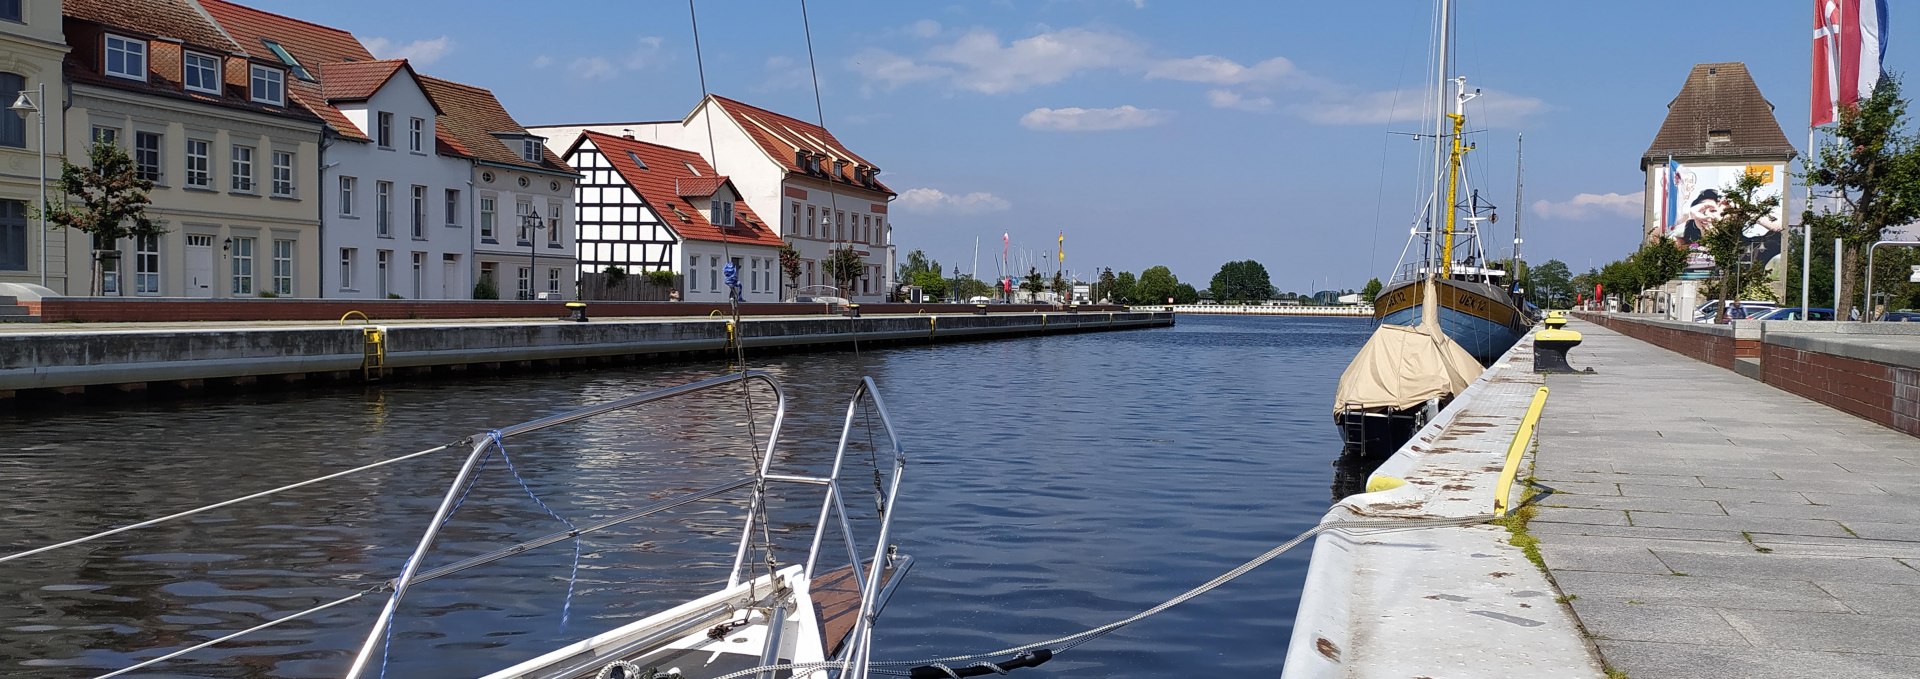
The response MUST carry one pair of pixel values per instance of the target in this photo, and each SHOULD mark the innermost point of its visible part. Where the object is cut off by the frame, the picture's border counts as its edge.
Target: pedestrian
(1737, 311)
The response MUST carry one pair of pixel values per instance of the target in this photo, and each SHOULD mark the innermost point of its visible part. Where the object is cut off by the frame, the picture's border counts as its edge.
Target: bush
(662, 278)
(485, 289)
(267, 294)
(394, 295)
(615, 275)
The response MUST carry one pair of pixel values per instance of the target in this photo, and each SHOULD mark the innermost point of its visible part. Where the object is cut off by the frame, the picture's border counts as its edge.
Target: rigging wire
(1380, 190)
(833, 195)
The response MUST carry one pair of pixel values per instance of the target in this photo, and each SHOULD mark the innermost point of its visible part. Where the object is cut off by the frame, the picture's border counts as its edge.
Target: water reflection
(1055, 484)
(1351, 469)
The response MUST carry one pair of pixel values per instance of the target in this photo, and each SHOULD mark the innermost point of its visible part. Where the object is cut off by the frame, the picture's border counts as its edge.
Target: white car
(1709, 311)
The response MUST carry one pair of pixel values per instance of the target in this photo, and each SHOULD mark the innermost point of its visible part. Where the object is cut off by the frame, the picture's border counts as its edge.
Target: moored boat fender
(1550, 347)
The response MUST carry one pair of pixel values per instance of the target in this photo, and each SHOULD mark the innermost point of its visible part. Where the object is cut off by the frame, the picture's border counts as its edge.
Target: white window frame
(488, 217)
(416, 131)
(348, 187)
(130, 50)
(275, 85)
(204, 172)
(383, 129)
(283, 174)
(419, 212)
(419, 275)
(241, 177)
(243, 265)
(383, 209)
(530, 150)
(553, 280)
(102, 132)
(553, 223)
(521, 210)
(453, 208)
(525, 289)
(210, 67)
(146, 265)
(283, 251)
(383, 273)
(346, 267)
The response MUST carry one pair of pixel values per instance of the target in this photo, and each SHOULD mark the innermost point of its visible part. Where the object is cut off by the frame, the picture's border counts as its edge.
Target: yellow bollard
(1516, 449)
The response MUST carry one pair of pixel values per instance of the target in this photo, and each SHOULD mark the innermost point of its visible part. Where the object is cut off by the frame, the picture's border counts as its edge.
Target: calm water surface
(1055, 484)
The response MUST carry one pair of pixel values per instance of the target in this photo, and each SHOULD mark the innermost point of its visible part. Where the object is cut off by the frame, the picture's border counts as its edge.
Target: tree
(1873, 166)
(1125, 289)
(917, 262)
(1243, 281)
(1550, 285)
(1103, 287)
(1371, 291)
(112, 203)
(1184, 293)
(790, 265)
(929, 282)
(1032, 282)
(844, 266)
(1155, 286)
(1725, 240)
(1660, 261)
(968, 287)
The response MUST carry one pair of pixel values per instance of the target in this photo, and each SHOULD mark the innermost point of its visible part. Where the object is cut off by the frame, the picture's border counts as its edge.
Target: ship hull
(1481, 318)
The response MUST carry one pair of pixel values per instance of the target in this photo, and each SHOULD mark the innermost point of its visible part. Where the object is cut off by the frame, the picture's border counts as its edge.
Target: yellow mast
(1453, 188)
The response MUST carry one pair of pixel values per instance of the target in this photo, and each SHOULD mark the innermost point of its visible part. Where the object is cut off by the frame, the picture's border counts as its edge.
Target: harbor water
(1054, 484)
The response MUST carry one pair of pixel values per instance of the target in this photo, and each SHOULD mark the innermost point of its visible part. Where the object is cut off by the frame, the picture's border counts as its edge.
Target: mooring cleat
(1550, 348)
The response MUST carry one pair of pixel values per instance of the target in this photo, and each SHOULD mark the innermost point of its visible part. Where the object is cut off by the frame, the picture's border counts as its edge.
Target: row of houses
(288, 161)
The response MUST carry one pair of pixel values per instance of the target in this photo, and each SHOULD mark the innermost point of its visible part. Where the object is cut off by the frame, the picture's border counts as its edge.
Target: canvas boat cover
(1401, 367)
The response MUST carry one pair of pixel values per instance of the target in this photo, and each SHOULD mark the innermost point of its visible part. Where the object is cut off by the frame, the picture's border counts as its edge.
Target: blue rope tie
(566, 608)
(386, 644)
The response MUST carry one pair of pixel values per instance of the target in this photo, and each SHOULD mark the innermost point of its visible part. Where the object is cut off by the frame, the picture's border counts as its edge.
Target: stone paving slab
(1768, 535)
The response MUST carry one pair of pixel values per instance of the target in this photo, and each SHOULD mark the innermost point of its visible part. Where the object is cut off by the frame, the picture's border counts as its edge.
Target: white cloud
(1214, 70)
(924, 28)
(1092, 119)
(1333, 107)
(783, 73)
(646, 52)
(542, 61)
(979, 61)
(1235, 100)
(1589, 205)
(889, 70)
(935, 200)
(592, 68)
(418, 52)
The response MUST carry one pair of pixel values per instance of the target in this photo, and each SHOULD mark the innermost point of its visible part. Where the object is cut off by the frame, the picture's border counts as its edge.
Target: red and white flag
(1849, 43)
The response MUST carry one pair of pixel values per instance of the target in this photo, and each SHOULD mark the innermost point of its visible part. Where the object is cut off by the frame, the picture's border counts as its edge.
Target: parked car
(1792, 313)
(1901, 317)
(821, 299)
(1711, 310)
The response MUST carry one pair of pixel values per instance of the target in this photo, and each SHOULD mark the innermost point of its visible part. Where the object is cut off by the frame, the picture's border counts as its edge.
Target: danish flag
(1849, 44)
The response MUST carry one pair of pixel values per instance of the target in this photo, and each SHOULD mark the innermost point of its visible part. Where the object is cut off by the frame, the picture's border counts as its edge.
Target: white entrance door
(199, 266)
(449, 279)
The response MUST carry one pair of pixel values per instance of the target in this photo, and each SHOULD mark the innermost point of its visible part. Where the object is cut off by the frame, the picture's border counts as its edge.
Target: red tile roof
(781, 135)
(698, 186)
(175, 19)
(357, 80)
(660, 184)
(316, 47)
(169, 27)
(470, 117)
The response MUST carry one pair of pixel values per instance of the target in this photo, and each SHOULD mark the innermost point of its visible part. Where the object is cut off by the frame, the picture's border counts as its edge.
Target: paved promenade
(1708, 525)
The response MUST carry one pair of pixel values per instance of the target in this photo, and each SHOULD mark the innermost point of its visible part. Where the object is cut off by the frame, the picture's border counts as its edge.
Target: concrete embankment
(79, 358)
(1441, 602)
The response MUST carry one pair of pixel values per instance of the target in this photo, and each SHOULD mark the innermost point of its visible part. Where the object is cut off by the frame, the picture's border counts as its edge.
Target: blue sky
(1151, 131)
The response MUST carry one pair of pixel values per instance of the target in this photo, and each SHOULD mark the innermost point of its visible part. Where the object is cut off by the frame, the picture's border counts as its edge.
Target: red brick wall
(56, 309)
(1862, 388)
(1699, 345)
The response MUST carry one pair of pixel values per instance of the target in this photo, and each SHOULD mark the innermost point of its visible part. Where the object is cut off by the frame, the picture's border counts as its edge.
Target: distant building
(824, 195)
(648, 207)
(1718, 128)
(30, 36)
(233, 158)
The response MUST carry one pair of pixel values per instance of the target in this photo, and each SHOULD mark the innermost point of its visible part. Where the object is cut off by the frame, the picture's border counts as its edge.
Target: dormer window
(285, 58)
(1719, 136)
(201, 73)
(269, 85)
(530, 149)
(126, 57)
(722, 212)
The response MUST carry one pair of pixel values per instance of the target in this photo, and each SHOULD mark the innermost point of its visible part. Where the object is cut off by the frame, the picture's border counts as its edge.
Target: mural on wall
(1691, 200)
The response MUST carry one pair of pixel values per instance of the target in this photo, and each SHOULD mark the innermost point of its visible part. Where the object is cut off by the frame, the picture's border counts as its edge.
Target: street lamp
(24, 105)
(532, 224)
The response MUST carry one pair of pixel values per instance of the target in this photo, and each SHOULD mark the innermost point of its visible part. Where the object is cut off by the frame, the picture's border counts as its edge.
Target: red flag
(1596, 291)
(1849, 44)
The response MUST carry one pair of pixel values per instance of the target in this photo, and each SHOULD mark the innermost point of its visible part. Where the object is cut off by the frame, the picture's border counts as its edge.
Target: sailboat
(1477, 307)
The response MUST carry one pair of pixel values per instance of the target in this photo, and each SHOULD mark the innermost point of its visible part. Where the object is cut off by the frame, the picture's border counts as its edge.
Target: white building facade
(31, 52)
(822, 195)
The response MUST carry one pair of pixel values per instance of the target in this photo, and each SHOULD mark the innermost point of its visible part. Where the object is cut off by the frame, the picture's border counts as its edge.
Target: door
(450, 277)
(199, 266)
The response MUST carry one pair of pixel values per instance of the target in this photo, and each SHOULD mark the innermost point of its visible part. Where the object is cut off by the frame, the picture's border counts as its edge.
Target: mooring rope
(1356, 527)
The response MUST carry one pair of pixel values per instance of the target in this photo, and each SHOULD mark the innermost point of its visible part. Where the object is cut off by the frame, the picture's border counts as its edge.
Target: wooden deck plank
(836, 599)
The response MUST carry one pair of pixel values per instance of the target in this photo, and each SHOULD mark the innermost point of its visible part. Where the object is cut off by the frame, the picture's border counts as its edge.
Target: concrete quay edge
(1437, 602)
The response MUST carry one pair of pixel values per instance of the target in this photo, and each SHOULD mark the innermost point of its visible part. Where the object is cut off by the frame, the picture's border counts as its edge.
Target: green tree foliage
(1873, 165)
(1550, 285)
(1103, 286)
(845, 267)
(967, 287)
(1724, 240)
(930, 283)
(917, 262)
(485, 289)
(1155, 286)
(1371, 291)
(1242, 281)
(105, 199)
(1184, 293)
(1033, 281)
(1125, 288)
(1660, 261)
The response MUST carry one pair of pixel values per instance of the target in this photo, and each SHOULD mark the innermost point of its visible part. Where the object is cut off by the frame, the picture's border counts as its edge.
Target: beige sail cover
(1403, 366)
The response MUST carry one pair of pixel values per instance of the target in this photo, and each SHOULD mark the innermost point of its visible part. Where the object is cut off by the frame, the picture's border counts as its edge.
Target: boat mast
(1519, 208)
(1441, 72)
(1458, 149)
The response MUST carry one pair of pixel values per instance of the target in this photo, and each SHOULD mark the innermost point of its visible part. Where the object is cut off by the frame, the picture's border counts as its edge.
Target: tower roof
(1719, 113)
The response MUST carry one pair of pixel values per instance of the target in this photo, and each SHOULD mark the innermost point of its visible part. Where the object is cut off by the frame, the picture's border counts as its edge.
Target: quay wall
(176, 309)
(70, 361)
(1262, 310)
(1869, 370)
(1438, 601)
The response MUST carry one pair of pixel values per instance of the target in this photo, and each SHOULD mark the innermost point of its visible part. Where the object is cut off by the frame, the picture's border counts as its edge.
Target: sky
(1151, 132)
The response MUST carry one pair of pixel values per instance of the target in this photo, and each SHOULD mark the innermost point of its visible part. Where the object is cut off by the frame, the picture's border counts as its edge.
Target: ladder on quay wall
(373, 353)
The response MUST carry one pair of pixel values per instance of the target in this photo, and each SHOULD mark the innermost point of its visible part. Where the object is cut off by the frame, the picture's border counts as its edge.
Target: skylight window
(636, 160)
(691, 168)
(285, 58)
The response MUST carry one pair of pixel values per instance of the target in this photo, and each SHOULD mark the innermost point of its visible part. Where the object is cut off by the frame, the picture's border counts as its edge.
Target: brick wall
(1875, 391)
(75, 309)
(1702, 344)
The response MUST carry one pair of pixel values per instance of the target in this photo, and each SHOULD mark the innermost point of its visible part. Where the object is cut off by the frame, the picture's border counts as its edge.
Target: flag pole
(1806, 229)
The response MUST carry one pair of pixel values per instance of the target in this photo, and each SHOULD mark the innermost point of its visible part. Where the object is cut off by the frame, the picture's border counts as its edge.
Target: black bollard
(1550, 348)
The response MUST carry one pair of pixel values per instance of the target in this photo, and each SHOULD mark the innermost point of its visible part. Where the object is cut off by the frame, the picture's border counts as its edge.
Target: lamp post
(533, 224)
(24, 105)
